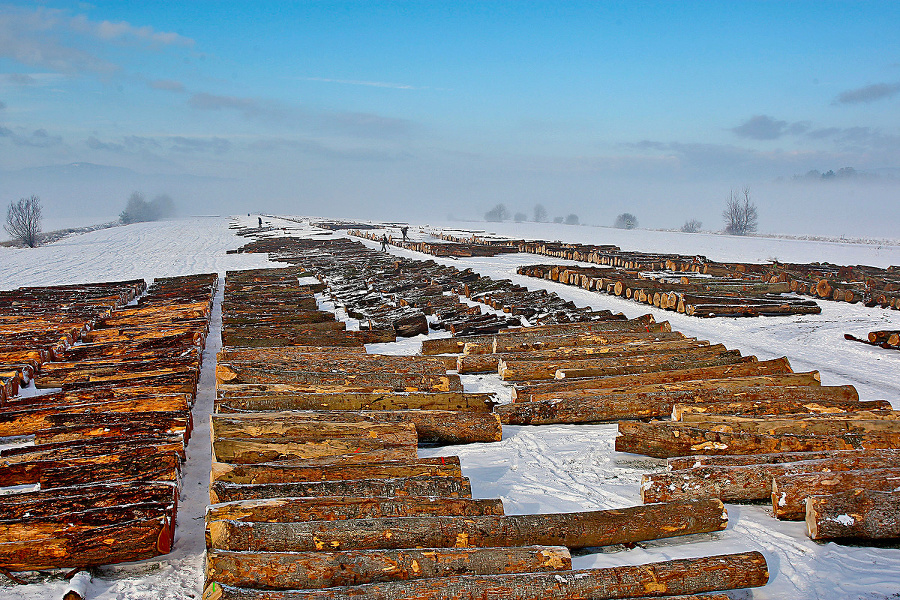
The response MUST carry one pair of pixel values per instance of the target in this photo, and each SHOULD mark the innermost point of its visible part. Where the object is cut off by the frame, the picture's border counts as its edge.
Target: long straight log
(888, 456)
(442, 466)
(670, 579)
(659, 333)
(292, 426)
(331, 508)
(612, 405)
(860, 513)
(431, 426)
(675, 363)
(790, 491)
(232, 399)
(573, 530)
(50, 503)
(313, 570)
(250, 451)
(664, 440)
(447, 487)
(829, 402)
(427, 382)
(747, 483)
(524, 369)
(778, 366)
(864, 423)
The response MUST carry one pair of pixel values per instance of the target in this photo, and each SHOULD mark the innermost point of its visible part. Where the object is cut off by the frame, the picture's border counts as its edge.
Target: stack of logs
(885, 338)
(318, 491)
(454, 248)
(107, 443)
(681, 291)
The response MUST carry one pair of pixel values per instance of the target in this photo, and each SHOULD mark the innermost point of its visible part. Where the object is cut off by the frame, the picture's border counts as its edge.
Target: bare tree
(540, 213)
(498, 213)
(692, 226)
(23, 220)
(740, 213)
(626, 221)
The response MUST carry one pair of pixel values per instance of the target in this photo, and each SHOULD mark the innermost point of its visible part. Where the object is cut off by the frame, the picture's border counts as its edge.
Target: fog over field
(420, 111)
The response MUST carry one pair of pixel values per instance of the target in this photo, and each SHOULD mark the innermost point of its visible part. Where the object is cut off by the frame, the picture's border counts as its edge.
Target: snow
(533, 469)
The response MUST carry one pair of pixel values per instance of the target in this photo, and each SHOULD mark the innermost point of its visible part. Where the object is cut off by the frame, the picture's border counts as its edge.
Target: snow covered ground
(534, 469)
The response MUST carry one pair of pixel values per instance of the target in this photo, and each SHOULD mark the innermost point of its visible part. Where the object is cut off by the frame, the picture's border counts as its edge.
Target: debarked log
(790, 491)
(314, 570)
(447, 487)
(670, 579)
(331, 508)
(573, 530)
(279, 472)
(860, 513)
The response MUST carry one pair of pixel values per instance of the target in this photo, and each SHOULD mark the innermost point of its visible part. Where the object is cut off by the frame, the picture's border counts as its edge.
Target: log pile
(681, 291)
(885, 338)
(317, 489)
(109, 438)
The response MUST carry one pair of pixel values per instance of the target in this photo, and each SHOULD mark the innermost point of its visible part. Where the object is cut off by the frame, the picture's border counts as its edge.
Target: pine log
(291, 426)
(778, 366)
(427, 382)
(442, 466)
(447, 487)
(659, 333)
(790, 491)
(333, 361)
(250, 451)
(667, 439)
(573, 530)
(862, 422)
(50, 503)
(444, 427)
(675, 363)
(522, 368)
(670, 579)
(860, 513)
(331, 508)
(91, 447)
(281, 397)
(811, 402)
(746, 483)
(314, 570)
(888, 456)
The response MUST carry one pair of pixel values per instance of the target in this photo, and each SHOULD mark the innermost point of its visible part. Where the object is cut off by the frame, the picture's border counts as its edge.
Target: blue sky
(412, 110)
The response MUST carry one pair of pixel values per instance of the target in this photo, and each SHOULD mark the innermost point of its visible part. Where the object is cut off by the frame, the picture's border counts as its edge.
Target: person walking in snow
(384, 242)
(403, 231)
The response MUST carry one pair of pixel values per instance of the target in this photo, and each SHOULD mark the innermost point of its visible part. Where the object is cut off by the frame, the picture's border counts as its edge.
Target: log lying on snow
(275, 397)
(333, 361)
(860, 513)
(314, 570)
(653, 364)
(660, 332)
(667, 439)
(678, 463)
(790, 491)
(431, 426)
(402, 446)
(749, 482)
(585, 406)
(447, 487)
(427, 382)
(332, 508)
(669, 579)
(830, 402)
(860, 422)
(573, 530)
(442, 466)
(778, 366)
(291, 426)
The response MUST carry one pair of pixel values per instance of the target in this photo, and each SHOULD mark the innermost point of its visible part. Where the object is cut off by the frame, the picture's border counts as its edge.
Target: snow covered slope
(534, 469)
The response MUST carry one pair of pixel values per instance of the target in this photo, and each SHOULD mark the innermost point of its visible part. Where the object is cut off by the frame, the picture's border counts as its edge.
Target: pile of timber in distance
(389, 292)
(885, 338)
(873, 286)
(318, 491)
(449, 248)
(684, 292)
(108, 446)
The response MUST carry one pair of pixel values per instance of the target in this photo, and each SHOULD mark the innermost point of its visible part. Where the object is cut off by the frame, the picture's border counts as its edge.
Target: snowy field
(534, 469)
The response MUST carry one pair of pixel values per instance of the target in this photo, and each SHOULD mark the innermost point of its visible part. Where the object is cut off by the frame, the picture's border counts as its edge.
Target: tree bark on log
(401, 382)
(447, 487)
(809, 401)
(732, 357)
(253, 397)
(251, 451)
(667, 439)
(573, 530)
(442, 466)
(314, 570)
(861, 513)
(790, 491)
(678, 463)
(670, 579)
(332, 508)
(778, 366)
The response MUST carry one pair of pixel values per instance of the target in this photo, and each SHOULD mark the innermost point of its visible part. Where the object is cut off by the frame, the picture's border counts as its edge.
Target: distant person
(260, 221)
(384, 242)
(403, 231)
